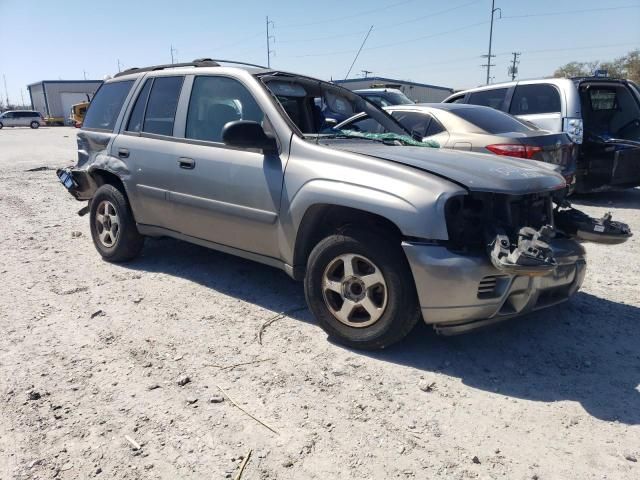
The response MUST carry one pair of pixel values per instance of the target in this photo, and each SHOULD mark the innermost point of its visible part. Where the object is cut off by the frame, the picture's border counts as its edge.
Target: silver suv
(382, 229)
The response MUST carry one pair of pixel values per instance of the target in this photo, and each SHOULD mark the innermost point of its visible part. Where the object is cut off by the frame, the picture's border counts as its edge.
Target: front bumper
(459, 293)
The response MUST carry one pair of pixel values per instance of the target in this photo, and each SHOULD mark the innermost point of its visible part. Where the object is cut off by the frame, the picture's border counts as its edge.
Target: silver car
(601, 115)
(477, 129)
(21, 118)
(382, 230)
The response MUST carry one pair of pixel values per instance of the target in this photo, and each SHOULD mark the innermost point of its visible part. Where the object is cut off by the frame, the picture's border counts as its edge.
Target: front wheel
(1, 125)
(35, 125)
(113, 227)
(361, 290)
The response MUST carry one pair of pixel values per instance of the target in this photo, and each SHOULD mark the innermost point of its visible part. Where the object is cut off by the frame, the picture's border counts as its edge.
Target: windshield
(491, 120)
(398, 98)
(316, 107)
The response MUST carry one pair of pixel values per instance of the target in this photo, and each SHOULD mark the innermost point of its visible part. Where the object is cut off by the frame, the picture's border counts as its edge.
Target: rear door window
(603, 99)
(137, 114)
(106, 104)
(535, 99)
(162, 105)
(489, 98)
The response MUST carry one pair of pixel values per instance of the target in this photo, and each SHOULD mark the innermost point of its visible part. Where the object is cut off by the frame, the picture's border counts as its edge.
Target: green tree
(627, 66)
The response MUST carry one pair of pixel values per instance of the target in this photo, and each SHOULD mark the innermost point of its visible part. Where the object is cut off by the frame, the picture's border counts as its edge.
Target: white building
(418, 92)
(53, 98)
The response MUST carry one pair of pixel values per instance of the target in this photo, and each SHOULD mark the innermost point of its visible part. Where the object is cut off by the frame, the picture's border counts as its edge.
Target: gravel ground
(142, 370)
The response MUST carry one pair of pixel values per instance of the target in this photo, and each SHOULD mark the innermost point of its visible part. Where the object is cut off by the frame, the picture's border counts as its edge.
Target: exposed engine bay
(518, 232)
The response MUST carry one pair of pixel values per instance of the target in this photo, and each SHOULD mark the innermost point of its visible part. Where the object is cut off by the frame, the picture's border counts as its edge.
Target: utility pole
(358, 54)
(173, 50)
(269, 39)
(22, 97)
(119, 66)
(513, 69)
(6, 92)
(84, 74)
(365, 73)
(489, 56)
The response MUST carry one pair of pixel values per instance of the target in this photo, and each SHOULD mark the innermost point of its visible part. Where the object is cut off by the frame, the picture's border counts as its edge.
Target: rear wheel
(35, 124)
(360, 288)
(113, 227)
(1, 125)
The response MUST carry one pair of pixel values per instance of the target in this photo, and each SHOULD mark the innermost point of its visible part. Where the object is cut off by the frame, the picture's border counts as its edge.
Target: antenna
(358, 54)
(269, 39)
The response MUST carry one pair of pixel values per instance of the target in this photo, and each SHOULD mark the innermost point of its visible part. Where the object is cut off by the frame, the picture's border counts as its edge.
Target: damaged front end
(518, 232)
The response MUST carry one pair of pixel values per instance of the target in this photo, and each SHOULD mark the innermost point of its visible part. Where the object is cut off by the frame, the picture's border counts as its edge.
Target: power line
(571, 12)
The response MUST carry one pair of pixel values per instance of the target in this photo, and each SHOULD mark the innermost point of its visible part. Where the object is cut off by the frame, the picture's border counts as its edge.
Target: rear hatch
(610, 155)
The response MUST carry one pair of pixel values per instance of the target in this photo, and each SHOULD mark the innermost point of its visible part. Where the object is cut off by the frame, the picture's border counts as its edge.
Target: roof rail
(198, 62)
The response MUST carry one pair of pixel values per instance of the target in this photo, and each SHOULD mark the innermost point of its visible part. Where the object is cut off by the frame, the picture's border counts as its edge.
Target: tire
(1, 125)
(113, 227)
(35, 125)
(374, 257)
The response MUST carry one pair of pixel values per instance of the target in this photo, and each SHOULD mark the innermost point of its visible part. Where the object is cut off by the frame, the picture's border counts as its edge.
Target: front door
(222, 194)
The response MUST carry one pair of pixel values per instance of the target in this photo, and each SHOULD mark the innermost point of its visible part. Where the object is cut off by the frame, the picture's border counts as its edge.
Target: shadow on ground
(586, 350)
(625, 199)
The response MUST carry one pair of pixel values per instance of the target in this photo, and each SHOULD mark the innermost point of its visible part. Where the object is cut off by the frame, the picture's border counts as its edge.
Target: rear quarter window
(489, 98)
(106, 105)
(535, 99)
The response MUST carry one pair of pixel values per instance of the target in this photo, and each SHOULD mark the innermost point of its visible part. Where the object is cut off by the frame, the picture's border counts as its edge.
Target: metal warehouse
(418, 92)
(54, 98)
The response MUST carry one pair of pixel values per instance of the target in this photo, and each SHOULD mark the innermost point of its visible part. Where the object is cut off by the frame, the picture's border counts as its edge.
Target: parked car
(21, 118)
(477, 129)
(384, 97)
(602, 115)
(233, 158)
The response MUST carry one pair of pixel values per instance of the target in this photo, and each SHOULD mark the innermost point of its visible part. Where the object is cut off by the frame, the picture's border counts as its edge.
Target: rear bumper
(459, 293)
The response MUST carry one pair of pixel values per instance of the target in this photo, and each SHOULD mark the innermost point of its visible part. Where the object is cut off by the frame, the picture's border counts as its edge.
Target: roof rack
(198, 62)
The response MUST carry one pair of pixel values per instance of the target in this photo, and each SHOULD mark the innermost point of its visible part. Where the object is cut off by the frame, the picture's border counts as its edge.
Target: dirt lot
(91, 355)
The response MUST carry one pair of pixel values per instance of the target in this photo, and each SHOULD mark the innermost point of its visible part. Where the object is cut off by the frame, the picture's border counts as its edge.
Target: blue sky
(426, 41)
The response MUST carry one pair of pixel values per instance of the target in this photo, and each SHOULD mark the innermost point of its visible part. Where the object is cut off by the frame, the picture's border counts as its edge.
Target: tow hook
(531, 256)
(601, 230)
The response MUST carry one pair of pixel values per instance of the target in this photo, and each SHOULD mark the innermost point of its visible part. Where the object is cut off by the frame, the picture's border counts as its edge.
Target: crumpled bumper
(459, 293)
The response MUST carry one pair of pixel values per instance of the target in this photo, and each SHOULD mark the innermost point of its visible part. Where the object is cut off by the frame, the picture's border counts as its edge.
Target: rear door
(538, 103)
(148, 149)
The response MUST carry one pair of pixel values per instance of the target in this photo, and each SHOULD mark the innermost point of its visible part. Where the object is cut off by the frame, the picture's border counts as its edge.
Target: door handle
(123, 153)
(187, 163)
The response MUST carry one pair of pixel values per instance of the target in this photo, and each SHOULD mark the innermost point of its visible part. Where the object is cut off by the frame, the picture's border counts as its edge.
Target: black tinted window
(137, 114)
(491, 121)
(106, 104)
(489, 98)
(603, 99)
(434, 128)
(415, 122)
(216, 101)
(532, 99)
(162, 105)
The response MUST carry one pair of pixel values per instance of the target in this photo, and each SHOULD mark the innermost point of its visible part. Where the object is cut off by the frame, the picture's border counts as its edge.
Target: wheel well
(104, 177)
(320, 221)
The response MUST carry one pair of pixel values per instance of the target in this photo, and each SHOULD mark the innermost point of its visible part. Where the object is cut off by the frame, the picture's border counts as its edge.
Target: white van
(601, 115)
(21, 118)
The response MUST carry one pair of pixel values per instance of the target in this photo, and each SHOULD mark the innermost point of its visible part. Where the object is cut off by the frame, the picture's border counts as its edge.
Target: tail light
(573, 127)
(519, 151)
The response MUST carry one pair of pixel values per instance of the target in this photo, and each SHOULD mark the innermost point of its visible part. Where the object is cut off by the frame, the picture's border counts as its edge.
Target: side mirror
(248, 134)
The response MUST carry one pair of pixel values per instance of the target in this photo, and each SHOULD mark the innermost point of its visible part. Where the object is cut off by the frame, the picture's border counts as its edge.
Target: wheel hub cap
(107, 223)
(354, 290)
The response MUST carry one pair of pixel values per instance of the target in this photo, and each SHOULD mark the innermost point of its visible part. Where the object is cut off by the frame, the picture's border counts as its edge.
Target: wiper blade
(386, 138)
